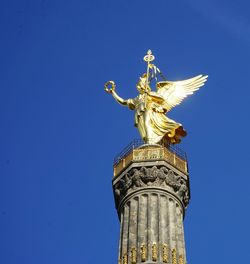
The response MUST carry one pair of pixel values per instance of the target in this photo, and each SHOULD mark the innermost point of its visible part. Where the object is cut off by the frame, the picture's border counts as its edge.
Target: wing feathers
(175, 92)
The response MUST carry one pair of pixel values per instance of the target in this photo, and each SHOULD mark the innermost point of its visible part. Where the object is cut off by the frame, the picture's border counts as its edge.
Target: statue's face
(141, 85)
(140, 88)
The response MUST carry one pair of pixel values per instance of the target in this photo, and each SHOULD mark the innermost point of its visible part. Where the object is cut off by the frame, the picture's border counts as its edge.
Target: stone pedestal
(151, 189)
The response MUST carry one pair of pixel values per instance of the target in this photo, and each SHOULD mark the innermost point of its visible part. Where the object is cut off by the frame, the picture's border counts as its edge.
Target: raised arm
(112, 91)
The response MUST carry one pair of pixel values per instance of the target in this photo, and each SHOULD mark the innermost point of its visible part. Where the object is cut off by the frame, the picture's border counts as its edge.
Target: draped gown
(151, 121)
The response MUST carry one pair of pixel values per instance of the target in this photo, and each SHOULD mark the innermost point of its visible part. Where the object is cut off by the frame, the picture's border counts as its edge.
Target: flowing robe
(151, 121)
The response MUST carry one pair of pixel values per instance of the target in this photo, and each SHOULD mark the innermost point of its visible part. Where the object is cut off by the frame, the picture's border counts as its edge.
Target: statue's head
(142, 84)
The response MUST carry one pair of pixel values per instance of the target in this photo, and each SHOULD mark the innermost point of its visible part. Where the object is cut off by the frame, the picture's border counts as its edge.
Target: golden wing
(175, 92)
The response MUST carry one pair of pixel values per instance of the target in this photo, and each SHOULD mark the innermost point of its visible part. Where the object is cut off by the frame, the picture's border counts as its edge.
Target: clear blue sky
(60, 131)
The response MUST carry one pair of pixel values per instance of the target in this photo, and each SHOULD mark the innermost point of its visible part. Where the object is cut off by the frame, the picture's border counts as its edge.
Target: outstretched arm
(115, 95)
(118, 98)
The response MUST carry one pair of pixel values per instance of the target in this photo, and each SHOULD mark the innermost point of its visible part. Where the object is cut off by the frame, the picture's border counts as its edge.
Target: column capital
(151, 167)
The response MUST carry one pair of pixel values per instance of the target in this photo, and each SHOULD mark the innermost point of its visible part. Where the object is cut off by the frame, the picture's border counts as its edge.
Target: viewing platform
(138, 151)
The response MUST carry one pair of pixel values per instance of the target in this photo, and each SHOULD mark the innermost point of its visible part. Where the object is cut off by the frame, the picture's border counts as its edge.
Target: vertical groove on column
(159, 229)
(175, 207)
(163, 219)
(171, 226)
(184, 246)
(179, 231)
(154, 222)
(139, 225)
(132, 236)
(142, 223)
(181, 234)
(136, 224)
(121, 232)
(125, 230)
(129, 212)
(149, 215)
(158, 226)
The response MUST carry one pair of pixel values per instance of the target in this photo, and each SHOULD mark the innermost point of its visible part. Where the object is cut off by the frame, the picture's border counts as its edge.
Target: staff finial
(148, 58)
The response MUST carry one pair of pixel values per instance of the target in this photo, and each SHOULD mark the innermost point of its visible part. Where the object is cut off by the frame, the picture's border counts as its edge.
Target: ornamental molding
(155, 176)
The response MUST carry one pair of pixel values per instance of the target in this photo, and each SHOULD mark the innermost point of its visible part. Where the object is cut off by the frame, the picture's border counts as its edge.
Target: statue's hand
(107, 87)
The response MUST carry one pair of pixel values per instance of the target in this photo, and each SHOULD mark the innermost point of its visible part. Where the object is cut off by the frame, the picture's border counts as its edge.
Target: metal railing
(139, 142)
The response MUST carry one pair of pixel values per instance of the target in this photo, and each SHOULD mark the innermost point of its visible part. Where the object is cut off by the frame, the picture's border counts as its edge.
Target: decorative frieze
(151, 153)
(157, 176)
(165, 256)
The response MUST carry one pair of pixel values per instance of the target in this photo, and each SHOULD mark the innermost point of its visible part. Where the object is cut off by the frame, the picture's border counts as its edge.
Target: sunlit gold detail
(149, 57)
(151, 107)
(133, 256)
(174, 258)
(125, 259)
(143, 253)
(165, 253)
(107, 87)
(181, 261)
(154, 252)
(151, 153)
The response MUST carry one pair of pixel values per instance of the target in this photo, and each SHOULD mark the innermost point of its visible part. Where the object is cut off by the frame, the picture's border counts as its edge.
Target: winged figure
(151, 107)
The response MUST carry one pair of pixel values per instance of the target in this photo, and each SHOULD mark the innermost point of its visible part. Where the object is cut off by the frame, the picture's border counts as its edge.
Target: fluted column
(150, 199)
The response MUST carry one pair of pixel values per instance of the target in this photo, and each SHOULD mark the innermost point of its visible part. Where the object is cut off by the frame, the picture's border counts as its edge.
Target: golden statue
(151, 107)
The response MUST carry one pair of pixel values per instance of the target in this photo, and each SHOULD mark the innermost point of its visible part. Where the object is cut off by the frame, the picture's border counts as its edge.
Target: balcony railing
(139, 142)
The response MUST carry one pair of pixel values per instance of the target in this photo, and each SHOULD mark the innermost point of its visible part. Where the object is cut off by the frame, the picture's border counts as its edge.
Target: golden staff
(148, 58)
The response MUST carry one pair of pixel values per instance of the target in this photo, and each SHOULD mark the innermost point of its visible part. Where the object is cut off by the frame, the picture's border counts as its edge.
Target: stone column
(151, 194)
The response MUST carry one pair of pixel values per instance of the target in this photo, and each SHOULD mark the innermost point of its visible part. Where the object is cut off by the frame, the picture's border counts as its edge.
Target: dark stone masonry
(151, 193)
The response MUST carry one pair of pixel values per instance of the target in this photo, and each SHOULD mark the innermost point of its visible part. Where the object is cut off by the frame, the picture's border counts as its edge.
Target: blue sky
(60, 131)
